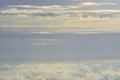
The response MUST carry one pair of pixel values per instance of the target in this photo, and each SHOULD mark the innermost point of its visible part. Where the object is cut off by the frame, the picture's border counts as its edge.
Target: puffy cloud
(62, 71)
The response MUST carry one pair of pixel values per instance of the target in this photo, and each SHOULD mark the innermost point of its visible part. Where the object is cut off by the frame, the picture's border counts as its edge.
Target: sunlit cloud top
(94, 4)
(61, 71)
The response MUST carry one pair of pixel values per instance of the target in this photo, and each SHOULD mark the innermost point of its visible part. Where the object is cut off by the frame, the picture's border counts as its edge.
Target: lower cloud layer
(61, 71)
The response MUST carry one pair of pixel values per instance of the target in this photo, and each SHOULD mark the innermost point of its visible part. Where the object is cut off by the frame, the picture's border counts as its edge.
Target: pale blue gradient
(55, 47)
(53, 30)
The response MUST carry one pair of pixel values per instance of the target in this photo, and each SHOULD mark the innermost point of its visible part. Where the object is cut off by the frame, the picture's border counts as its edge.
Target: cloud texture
(95, 4)
(51, 25)
(81, 17)
(81, 10)
(61, 71)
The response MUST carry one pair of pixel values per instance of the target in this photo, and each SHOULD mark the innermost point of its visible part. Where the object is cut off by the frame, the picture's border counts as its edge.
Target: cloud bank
(79, 17)
(81, 10)
(54, 25)
(61, 71)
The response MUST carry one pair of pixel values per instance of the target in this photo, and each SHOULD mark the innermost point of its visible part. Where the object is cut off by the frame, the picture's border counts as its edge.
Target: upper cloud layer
(81, 9)
(54, 11)
(62, 17)
(95, 4)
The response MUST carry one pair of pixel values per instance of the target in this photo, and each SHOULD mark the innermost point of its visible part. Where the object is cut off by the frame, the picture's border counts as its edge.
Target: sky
(64, 16)
(59, 39)
(59, 29)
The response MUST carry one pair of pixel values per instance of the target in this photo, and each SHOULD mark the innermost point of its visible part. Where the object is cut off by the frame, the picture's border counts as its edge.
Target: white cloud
(95, 4)
(61, 19)
(24, 11)
(55, 10)
(89, 3)
(62, 71)
(35, 11)
(33, 6)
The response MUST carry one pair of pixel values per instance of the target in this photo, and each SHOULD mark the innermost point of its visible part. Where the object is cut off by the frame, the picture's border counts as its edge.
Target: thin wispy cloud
(96, 4)
(57, 10)
(77, 12)
(63, 24)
